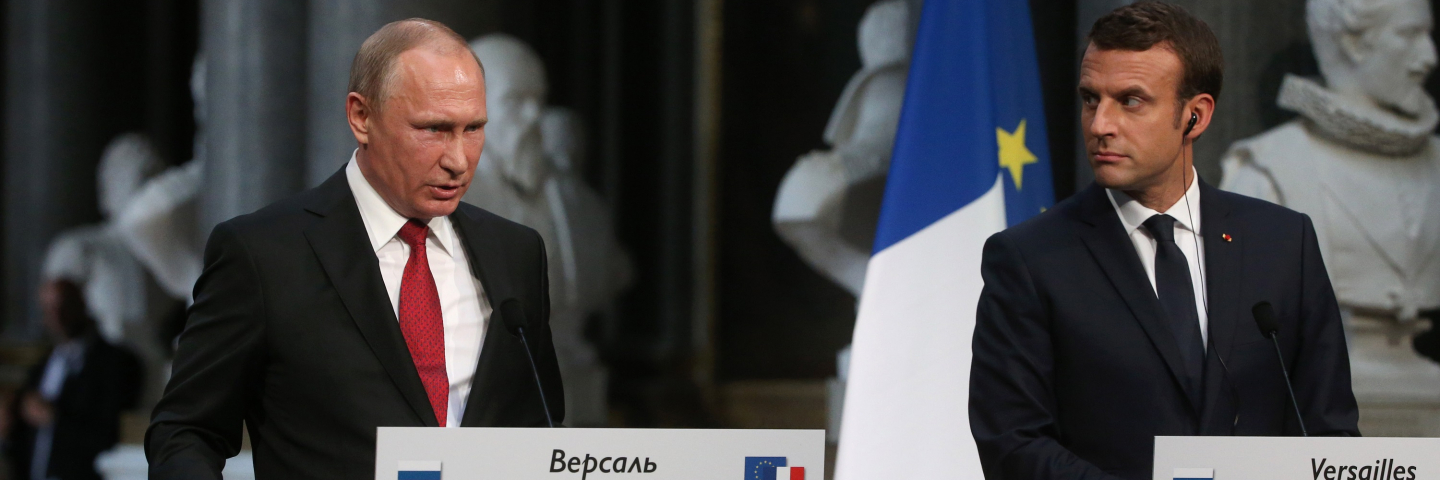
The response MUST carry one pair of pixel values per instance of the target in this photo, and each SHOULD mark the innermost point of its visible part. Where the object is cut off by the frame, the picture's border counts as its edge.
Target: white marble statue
(95, 257)
(828, 203)
(513, 167)
(1363, 162)
(534, 180)
(161, 226)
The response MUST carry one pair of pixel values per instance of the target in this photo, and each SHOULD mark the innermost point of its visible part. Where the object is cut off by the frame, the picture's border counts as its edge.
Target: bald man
(366, 301)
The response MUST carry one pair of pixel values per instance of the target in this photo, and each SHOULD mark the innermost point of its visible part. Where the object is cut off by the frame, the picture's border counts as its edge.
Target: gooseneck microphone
(1269, 327)
(513, 313)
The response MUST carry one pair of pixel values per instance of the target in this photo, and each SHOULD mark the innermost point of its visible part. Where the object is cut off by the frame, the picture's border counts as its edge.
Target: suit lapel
(487, 262)
(1223, 271)
(342, 246)
(1110, 244)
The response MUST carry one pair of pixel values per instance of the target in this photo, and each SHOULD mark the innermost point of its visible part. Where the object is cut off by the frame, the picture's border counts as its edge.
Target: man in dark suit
(1125, 312)
(366, 301)
(69, 409)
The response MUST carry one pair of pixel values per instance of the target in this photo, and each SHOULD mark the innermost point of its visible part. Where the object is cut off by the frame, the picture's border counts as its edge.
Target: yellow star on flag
(1013, 154)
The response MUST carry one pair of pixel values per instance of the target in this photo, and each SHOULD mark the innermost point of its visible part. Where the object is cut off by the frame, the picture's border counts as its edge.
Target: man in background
(69, 409)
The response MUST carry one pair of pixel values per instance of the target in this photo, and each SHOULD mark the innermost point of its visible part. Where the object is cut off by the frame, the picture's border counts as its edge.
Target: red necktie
(420, 320)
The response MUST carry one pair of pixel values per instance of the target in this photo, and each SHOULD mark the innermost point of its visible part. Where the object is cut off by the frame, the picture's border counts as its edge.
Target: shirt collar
(1133, 215)
(382, 223)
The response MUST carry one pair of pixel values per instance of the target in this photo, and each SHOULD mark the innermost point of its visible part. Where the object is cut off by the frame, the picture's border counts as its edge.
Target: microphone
(513, 313)
(1269, 327)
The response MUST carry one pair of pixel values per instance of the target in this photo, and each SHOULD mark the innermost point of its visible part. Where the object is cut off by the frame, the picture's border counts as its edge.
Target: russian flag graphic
(1194, 474)
(771, 468)
(425, 470)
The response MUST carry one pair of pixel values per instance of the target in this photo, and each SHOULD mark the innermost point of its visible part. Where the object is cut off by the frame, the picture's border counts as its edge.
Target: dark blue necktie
(1177, 296)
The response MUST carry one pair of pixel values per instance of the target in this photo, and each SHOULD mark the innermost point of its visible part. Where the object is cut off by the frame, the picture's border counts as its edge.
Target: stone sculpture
(162, 225)
(1363, 162)
(95, 257)
(529, 172)
(829, 202)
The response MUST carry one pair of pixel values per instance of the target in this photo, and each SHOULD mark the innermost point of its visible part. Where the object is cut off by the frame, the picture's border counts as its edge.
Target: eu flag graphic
(762, 468)
(970, 159)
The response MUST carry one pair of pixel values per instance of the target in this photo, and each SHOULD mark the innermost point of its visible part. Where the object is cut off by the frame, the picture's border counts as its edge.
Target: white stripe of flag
(1194, 474)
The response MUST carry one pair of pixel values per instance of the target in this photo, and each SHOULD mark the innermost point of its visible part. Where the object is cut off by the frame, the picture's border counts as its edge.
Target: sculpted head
(1148, 68)
(129, 160)
(1379, 50)
(884, 34)
(417, 109)
(516, 79)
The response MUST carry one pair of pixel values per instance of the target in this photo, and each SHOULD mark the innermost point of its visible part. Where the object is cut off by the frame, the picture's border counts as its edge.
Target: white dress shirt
(65, 361)
(463, 306)
(1187, 221)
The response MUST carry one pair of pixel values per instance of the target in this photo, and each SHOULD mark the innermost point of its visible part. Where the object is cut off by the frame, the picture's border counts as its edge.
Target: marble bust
(1362, 161)
(529, 172)
(828, 204)
(512, 166)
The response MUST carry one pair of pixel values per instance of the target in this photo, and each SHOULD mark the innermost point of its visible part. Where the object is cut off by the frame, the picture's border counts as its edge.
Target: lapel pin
(1227, 237)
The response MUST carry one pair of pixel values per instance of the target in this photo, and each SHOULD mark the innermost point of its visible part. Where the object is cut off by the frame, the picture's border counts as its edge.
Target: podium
(598, 453)
(1315, 458)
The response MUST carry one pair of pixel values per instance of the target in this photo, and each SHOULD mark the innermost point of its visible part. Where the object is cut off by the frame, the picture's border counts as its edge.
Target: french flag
(424, 470)
(789, 473)
(970, 159)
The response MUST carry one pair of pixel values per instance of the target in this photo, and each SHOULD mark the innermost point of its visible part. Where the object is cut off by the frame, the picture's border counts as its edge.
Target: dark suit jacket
(292, 333)
(87, 412)
(1075, 368)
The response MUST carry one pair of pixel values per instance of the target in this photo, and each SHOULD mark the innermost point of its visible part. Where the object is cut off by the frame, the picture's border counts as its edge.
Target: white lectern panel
(1237, 458)
(598, 453)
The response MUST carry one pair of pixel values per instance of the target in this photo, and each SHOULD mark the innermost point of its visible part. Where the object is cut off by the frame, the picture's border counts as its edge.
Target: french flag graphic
(771, 468)
(425, 470)
(789, 473)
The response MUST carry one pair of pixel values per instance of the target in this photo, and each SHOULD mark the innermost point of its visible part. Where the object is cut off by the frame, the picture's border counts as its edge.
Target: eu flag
(970, 159)
(762, 468)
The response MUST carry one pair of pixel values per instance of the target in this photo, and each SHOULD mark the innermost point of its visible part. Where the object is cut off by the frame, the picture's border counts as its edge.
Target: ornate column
(255, 105)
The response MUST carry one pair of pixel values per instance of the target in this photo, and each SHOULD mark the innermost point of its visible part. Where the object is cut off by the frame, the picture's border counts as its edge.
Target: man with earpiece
(1125, 312)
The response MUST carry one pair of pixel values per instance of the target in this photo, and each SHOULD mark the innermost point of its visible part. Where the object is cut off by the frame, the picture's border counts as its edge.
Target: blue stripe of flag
(973, 70)
(419, 475)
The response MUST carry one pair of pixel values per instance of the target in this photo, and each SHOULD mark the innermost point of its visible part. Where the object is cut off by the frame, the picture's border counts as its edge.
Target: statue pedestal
(1398, 391)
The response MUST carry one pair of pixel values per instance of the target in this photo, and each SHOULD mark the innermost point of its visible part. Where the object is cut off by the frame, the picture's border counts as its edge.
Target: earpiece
(1193, 118)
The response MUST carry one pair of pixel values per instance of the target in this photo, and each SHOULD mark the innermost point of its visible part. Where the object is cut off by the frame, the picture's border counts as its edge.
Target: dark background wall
(76, 74)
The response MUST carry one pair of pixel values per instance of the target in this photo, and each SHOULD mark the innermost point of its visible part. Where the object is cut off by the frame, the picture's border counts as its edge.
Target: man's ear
(359, 112)
(1203, 107)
